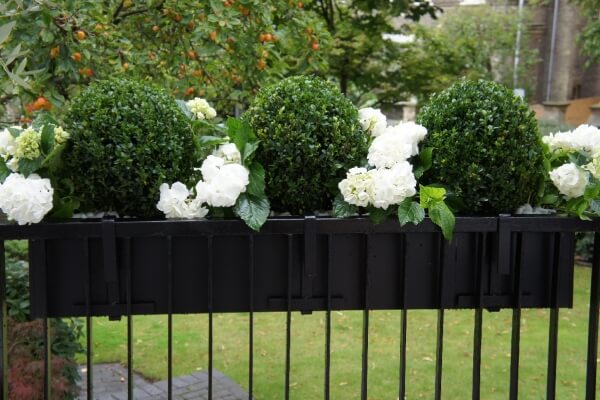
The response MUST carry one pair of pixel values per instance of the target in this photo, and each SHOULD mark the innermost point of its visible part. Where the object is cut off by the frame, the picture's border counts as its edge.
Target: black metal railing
(310, 247)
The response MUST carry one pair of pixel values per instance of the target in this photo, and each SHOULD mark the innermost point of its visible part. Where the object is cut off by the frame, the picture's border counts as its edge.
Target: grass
(190, 346)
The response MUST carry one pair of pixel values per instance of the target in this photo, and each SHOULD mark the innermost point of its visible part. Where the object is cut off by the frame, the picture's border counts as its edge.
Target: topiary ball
(126, 140)
(486, 146)
(309, 136)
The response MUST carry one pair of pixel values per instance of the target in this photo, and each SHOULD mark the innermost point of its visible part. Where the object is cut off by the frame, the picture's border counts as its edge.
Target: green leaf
(256, 186)
(240, 132)
(431, 194)
(28, 167)
(207, 141)
(592, 191)
(65, 208)
(419, 171)
(43, 118)
(443, 217)
(378, 215)
(253, 210)
(550, 199)
(5, 31)
(249, 150)
(184, 108)
(342, 209)
(47, 139)
(410, 211)
(4, 172)
(426, 157)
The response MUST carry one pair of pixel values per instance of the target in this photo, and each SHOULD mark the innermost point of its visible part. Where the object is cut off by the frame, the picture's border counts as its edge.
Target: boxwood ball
(126, 139)
(309, 136)
(486, 146)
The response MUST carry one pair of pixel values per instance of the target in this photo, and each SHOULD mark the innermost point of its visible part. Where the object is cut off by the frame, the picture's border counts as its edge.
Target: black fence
(125, 268)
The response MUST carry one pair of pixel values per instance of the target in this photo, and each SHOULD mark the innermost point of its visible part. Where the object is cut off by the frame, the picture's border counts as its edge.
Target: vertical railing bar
(516, 323)
(328, 320)
(480, 240)
(553, 324)
(210, 316)
(592, 350)
(251, 317)
(288, 319)
(169, 317)
(46, 327)
(439, 356)
(4, 318)
(403, 320)
(365, 334)
(128, 266)
(88, 322)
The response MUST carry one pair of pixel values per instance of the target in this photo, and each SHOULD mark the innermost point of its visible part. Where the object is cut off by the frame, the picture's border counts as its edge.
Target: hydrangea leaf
(4, 172)
(378, 215)
(256, 186)
(443, 217)
(47, 139)
(28, 167)
(342, 209)
(410, 211)
(253, 210)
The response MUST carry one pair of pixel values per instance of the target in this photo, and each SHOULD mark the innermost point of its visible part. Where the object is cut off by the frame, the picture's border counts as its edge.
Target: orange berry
(261, 64)
(54, 52)
(155, 28)
(86, 72)
(268, 37)
(315, 46)
(80, 35)
(41, 103)
(125, 66)
(213, 36)
(190, 91)
(98, 27)
(178, 17)
(261, 37)
(300, 4)
(76, 57)
(192, 54)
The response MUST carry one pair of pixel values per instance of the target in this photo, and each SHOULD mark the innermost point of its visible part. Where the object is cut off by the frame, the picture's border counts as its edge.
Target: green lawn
(231, 351)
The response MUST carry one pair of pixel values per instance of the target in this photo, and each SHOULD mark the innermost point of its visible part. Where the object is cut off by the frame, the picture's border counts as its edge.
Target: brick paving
(110, 383)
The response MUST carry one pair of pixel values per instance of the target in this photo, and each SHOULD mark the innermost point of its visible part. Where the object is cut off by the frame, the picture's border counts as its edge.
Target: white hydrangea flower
(60, 135)
(8, 144)
(223, 183)
(372, 120)
(594, 166)
(389, 149)
(26, 200)
(229, 152)
(392, 185)
(530, 210)
(200, 108)
(413, 134)
(570, 180)
(357, 188)
(584, 139)
(13, 164)
(175, 203)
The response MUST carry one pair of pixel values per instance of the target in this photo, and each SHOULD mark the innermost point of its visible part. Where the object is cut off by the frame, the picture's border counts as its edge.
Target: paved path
(110, 383)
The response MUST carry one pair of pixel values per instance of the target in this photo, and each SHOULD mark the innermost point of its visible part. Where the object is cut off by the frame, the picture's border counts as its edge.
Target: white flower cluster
(27, 144)
(26, 200)
(571, 179)
(392, 179)
(224, 179)
(584, 139)
(200, 108)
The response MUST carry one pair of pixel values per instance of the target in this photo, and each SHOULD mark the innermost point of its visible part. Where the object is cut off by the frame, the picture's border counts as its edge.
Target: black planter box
(306, 264)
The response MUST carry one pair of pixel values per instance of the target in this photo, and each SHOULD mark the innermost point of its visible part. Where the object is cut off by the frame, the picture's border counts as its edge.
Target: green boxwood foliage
(486, 146)
(126, 139)
(310, 135)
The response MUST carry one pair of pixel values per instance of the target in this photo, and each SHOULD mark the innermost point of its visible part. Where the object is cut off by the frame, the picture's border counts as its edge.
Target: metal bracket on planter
(111, 273)
(504, 244)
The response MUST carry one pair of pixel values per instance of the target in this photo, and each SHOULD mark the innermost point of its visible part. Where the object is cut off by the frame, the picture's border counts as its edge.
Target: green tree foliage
(364, 62)
(222, 50)
(590, 35)
(477, 42)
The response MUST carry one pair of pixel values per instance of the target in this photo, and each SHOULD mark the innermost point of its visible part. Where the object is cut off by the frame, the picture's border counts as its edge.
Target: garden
(216, 185)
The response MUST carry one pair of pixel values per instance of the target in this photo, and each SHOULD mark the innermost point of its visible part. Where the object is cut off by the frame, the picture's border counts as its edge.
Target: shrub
(310, 135)
(126, 140)
(486, 146)
(26, 340)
